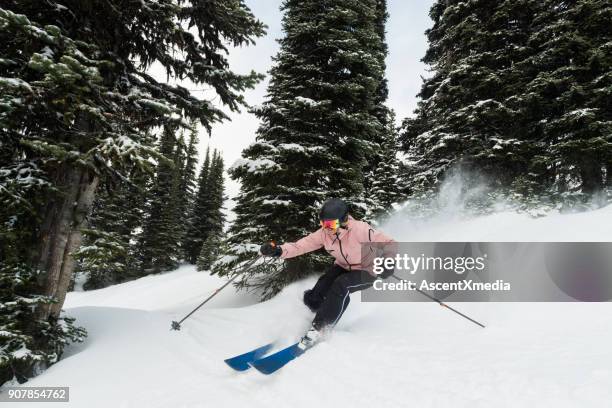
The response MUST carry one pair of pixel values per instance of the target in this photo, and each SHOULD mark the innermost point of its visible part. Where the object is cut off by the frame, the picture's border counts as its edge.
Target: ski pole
(177, 325)
(443, 304)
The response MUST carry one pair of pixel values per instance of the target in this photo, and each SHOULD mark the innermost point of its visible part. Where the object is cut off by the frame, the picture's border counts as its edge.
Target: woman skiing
(341, 236)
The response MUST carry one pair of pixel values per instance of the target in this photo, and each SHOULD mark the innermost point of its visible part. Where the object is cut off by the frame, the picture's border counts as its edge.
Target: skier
(341, 236)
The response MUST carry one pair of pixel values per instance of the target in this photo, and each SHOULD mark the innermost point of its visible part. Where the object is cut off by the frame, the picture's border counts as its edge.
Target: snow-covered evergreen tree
(568, 101)
(159, 242)
(187, 188)
(207, 219)
(211, 248)
(385, 185)
(216, 188)
(76, 105)
(320, 124)
(466, 117)
(196, 223)
(28, 342)
(109, 252)
(518, 94)
(382, 184)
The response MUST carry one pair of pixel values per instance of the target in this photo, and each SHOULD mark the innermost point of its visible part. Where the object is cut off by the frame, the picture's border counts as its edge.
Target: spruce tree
(29, 343)
(159, 250)
(216, 188)
(385, 185)
(197, 225)
(104, 257)
(518, 95)
(319, 126)
(209, 252)
(215, 219)
(465, 118)
(109, 254)
(567, 100)
(76, 103)
(382, 184)
(187, 185)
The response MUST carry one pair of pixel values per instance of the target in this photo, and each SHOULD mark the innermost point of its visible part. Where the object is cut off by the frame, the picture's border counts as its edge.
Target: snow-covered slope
(386, 354)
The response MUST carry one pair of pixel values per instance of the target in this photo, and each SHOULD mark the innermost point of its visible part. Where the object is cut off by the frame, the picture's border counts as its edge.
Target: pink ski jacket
(344, 245)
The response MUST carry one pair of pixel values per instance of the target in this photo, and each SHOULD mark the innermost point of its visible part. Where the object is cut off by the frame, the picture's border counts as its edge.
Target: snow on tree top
(307, 101)
(277, 202)
(254, 166)
(156, 105)
(582, 112)
(291, 146)
(15, 83)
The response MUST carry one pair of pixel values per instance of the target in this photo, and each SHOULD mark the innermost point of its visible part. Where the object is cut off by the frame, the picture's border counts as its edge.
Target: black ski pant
(330, 296)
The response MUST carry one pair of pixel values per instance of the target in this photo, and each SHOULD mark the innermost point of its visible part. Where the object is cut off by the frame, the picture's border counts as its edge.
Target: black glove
(312, 300)
(270, 249)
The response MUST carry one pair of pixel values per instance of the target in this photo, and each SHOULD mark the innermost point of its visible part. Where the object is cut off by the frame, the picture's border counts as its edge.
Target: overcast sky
(407, 44)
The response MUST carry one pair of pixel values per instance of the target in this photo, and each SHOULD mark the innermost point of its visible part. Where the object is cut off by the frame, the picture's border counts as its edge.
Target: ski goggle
(331, 224)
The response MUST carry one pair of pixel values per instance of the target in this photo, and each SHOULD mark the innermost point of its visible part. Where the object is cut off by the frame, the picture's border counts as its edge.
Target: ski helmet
(334, 208)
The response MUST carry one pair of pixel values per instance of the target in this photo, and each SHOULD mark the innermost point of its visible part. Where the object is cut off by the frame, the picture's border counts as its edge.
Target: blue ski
(241, 362)
(273, 362)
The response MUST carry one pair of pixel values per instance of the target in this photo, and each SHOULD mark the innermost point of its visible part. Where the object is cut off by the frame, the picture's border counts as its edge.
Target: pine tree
(109, 254)
(197, 225)
(382, 184)
(211, 248)
(216, 188)
(518, 94)
(160, 237)
(187, 190)
(29, 343)
(568, 98)
(208, 253)
(466, 118)
(76, 103)
(319, 126)
(207, 221)
(104, 256)
(385, 184)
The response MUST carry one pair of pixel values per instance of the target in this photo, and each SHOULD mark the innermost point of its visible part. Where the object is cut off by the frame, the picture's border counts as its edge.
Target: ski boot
(311, 338)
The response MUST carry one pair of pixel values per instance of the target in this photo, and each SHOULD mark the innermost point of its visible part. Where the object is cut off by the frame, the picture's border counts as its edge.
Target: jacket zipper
(342, 253)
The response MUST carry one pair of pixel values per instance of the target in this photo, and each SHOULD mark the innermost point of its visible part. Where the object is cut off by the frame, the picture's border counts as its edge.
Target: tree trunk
(592, 177)
(61, 233)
